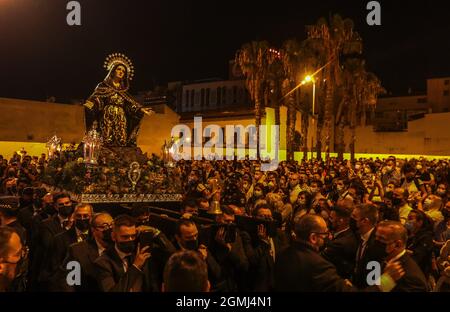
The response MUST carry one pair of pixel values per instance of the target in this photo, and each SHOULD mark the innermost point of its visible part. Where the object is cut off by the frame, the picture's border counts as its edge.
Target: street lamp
(309, 79)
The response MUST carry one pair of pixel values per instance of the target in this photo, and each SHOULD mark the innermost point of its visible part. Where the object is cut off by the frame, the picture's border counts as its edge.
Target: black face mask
(378, 250)
(396, 201)
(49, 209)
(446, 214)
(127, 247)
(66, 211)
(25, 202)
(191, 244)
(82, 224)
(37, 203)
(106, 236)
(353, 225)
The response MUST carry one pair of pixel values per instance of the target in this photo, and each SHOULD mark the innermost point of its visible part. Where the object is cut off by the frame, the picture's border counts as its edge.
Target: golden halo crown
(119, 58)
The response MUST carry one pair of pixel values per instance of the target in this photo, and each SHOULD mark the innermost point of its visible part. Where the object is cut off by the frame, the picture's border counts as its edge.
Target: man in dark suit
(77, 233)
(341, 250)
(46, 211)
(391, 238)
(26, 209)
(230, 256)
(301, 268)
(85, 253)
(124, 267)
(49, 228)
(363, 221)
(263, 252)
(187, 239)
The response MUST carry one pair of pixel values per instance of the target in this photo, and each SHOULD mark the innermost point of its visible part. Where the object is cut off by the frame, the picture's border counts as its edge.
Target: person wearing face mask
(10, 182)
(258, 192)
(442, 229)
(390, 244)
(13, 256)
(124, 266)
(48, 229)
(389, 187)
(399, 202)
(420, 239)
(294, 187)
(77, 233)
(229, 255)
(26, 204)
(362, 222)
(316, 192)
(390, 172)
(301, 268)
(85, 253)
(411, 182)
(432, 207)
(262, 251)
(441, 191)
(186, 238)
(303, 205)
(341, 249)
(247, 188)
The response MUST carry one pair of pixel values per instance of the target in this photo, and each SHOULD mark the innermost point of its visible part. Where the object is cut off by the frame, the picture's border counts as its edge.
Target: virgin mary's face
(120, 72)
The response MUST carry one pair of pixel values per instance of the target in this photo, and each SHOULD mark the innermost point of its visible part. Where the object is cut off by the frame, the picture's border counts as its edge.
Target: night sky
(41, 56)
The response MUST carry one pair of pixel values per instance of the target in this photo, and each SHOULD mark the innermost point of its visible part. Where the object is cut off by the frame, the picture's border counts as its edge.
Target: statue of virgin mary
(112, 108)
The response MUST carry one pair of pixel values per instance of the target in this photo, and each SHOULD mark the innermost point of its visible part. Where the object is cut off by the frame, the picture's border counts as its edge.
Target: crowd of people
(318, 226)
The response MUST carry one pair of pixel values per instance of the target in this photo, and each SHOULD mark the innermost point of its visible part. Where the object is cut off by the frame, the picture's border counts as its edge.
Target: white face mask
(314, 189)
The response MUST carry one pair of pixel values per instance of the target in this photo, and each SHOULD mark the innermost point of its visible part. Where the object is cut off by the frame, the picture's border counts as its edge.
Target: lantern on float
(53, 146)
(92, 143)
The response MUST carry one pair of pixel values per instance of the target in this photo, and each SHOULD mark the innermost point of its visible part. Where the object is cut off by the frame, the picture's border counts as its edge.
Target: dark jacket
(111, 276)
(421, 246)
(414, 280)
(85, 253)
(59, 248)
(214, 269)
(341, 251)
(261, 274)
(300, 268)
(234, 264)
(48, 230)
(25, 217)
(359, 277)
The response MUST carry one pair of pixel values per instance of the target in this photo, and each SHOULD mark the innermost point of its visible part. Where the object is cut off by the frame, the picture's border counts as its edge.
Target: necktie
(128, 261)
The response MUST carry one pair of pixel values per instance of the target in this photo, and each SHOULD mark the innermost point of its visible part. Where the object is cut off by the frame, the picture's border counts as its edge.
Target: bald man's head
(309, 224)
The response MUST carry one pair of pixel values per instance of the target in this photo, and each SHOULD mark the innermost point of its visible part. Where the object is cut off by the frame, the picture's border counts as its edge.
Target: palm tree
(330, 37)
(291, 57)
(351, 73)
(252, 60)
(367, 91)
